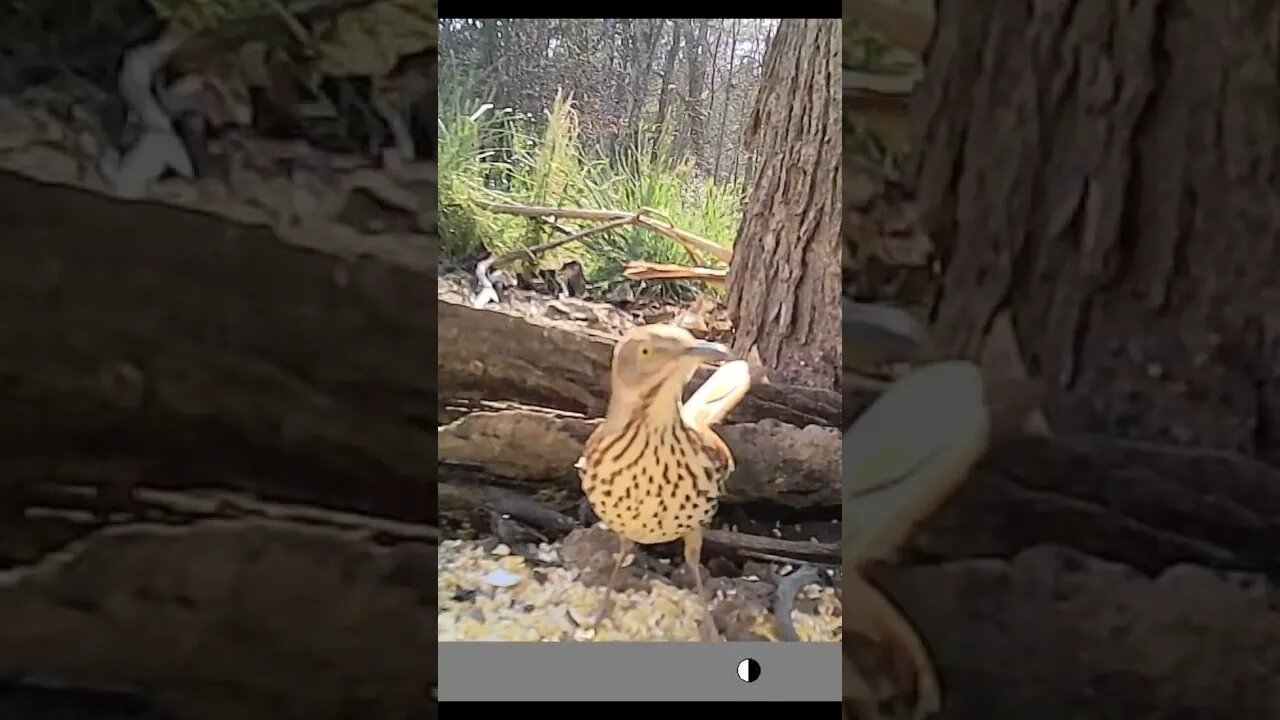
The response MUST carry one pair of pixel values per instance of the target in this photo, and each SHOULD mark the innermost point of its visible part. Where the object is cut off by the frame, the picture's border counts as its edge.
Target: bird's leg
(693, 561)
(625, 547)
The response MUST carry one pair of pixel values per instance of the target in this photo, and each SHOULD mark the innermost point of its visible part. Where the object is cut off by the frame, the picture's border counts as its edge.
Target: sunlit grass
(490, 154)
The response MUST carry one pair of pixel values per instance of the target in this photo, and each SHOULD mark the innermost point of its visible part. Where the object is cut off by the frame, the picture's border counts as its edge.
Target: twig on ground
(529, 511)
(555, 523)
(785, 598)
(693, 244)
(788, 550)
(533, 252)
(488, 293)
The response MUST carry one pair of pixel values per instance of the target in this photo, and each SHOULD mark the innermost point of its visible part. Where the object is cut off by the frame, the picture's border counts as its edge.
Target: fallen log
(213, 618)
(1149, 506)
(775, 461)
(167, 374)
(496, 354)
(148, 345)
(1055, 634)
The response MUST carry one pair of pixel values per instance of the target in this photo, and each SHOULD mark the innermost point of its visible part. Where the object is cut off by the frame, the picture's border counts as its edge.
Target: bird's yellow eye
(644, 351)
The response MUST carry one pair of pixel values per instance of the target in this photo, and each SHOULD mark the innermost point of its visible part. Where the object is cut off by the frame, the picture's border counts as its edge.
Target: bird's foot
(606, 604)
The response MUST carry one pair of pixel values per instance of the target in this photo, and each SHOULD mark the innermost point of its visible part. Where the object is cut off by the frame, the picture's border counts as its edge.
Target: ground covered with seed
(551, 592)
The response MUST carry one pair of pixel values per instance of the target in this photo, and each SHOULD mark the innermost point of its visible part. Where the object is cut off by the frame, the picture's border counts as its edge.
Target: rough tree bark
(1105, 172)
(1112, 181)
(784, 282)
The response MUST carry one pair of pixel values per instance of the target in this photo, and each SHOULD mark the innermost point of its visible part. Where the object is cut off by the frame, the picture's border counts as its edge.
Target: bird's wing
(907, 453)
(718, 396)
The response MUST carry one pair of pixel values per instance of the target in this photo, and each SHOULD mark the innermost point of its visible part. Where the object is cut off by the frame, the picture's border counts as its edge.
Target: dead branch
(557, 524)
(533, 252)
(639, 270)
(785, 599)
(793, 549)
(565, 213)
(687, 239)
(692, 243)
(488, 293)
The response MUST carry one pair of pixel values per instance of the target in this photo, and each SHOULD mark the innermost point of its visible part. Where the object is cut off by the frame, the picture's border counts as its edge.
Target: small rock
(502, 578)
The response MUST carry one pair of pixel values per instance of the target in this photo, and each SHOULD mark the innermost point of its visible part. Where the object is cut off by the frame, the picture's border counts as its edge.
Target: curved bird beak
(707, 351)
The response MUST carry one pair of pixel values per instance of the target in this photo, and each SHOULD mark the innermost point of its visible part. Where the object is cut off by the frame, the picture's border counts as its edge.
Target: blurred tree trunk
(728, 95)
(668, 79)
(784, 281)
(492, 54)
(642, 56)
(696, 42)
(1111, 182)
(749, 155)
(714, 161)
(621, 41)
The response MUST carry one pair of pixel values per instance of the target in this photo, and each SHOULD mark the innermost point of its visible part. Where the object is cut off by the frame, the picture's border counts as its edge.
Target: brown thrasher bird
(654, 469)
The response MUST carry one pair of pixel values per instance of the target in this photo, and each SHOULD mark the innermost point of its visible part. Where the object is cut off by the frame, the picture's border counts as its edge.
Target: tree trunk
(668, 81)
(784, 282)
(697, 43)
(635, 77)
(1104, 173)
(714, 161)
(1112, 180)
(642, 55)
(728, 95)
(492, 53)
(621, 34)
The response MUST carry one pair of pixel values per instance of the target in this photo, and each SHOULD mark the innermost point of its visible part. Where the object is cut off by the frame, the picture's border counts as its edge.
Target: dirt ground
(551, 592)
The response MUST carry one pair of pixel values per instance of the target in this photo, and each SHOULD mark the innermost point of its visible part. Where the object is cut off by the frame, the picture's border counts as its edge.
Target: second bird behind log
(654, 470)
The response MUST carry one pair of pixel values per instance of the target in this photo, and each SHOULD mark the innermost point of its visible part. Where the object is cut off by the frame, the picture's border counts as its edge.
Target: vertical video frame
(1061, 362)
(639, 351)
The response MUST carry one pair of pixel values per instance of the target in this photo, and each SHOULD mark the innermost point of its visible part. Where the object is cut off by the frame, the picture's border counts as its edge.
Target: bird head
(655, 360)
